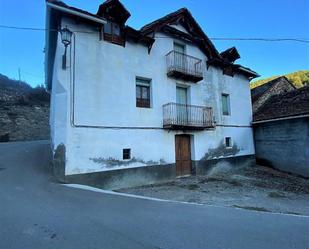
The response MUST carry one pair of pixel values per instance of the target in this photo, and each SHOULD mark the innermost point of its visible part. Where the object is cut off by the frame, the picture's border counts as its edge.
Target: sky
(24, 50)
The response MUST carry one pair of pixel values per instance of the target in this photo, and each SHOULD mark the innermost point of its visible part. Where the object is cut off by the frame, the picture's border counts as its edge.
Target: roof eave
(76, 13)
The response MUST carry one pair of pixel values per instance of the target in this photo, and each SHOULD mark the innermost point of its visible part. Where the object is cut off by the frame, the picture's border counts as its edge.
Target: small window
(228, 142)
(108, 28)
(126, 154)
(112, 33)
(179, 48)
(142, 93)
(226, 104)
(116, 30)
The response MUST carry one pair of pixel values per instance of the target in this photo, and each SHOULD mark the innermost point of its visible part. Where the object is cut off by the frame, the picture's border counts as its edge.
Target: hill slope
(299, 79)
(24, 111)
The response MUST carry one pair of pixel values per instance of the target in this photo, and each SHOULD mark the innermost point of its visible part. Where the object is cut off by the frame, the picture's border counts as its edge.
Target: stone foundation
(133, 177)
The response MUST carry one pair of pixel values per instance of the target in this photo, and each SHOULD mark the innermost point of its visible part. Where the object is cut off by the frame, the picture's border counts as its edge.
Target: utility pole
(19, 76)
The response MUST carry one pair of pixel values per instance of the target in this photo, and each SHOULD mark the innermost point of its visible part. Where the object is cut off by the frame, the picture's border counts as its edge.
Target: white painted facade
(95, 116)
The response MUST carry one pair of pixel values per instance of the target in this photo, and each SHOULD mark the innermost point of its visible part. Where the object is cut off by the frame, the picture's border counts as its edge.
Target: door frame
(182, 115)
(180, 170)
(183, 62)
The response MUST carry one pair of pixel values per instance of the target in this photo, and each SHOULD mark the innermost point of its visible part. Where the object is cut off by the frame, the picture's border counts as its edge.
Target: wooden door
(183, 155)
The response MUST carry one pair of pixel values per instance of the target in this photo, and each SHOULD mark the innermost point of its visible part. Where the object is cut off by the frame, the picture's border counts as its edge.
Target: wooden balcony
(185, 67)
(187, 117)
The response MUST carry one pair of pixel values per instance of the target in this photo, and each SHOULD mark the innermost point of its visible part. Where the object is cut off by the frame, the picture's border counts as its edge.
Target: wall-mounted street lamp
(66, 38)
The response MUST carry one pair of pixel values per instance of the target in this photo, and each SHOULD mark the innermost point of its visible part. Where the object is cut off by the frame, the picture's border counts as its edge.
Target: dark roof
(137, 36)
(236, 68)
(115, 10)
(184, 17)
(62, 4)
(289, 104)
(257, 92)
(231, 54)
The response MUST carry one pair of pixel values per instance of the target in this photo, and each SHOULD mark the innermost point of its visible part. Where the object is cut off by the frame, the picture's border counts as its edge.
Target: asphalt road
(36, 212)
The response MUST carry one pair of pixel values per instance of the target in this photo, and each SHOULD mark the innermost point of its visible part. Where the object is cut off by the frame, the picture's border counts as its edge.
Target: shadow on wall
(221, 151)
(59, 163)
(112, 162)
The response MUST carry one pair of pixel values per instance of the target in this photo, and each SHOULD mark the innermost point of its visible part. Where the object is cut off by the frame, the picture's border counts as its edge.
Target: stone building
(281, 131)
(262, 93)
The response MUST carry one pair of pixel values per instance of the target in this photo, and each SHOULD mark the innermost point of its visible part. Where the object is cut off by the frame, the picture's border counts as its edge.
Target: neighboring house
(262, 93)
(281, 128)
(132, 107)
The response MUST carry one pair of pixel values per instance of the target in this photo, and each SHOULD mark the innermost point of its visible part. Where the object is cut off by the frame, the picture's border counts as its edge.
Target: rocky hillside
(299, 79)
(24, 111)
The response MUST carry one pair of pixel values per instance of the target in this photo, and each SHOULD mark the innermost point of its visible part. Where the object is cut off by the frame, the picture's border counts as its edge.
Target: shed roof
(257, 92)
(285, 105)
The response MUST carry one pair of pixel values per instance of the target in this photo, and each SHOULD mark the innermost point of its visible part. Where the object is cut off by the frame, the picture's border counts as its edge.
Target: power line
(289, 39)
(33, 75)
(265, 39)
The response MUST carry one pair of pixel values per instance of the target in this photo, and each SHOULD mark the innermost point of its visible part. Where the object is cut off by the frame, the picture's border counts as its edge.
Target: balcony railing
(182, 66)
(179, 116)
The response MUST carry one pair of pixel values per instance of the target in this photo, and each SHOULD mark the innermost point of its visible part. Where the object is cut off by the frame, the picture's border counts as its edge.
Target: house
(281, 130)
(262, 93)
(132, 107)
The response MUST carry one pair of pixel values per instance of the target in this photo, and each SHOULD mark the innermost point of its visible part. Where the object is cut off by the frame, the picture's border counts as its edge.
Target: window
(226, 104)
(180, 48)
(142, 93)
(126, 154)
(228, 142)
(108, 28)
(112, 33)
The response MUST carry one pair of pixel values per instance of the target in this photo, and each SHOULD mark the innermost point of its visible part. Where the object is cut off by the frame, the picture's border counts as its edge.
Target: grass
(193, 187)
(276, 195)
(259, 209)
(235, 183)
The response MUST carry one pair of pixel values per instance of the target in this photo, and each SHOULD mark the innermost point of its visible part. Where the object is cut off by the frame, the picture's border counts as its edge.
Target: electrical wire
(289, 39)
(31, 74)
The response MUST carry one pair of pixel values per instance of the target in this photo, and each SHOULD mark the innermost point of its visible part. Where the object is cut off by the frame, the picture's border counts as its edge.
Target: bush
(5, 138)
(39, 94)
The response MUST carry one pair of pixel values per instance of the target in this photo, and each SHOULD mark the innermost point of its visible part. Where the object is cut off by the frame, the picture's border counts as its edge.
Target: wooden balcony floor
(177, 74)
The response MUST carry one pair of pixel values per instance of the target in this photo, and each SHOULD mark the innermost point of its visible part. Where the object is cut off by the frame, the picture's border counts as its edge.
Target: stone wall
(284, 145)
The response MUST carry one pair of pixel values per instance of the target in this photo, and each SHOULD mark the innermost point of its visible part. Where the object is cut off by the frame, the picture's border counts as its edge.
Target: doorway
(183, 155)
(180, 57)
(182, 102)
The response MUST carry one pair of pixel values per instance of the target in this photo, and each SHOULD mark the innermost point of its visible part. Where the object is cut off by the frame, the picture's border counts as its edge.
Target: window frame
(126, 154)
(180, 44)
(112, 37)
(228, 144)
(142, 84)
(228, 104)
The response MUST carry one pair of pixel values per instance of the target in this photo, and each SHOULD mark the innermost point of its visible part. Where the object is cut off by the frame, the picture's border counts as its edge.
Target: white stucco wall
(105, 97)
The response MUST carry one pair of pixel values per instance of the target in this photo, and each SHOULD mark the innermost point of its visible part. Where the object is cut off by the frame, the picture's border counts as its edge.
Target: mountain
(299, 79)
(24, 111)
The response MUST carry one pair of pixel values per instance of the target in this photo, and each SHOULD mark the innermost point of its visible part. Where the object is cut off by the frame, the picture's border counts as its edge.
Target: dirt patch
(254, 188)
